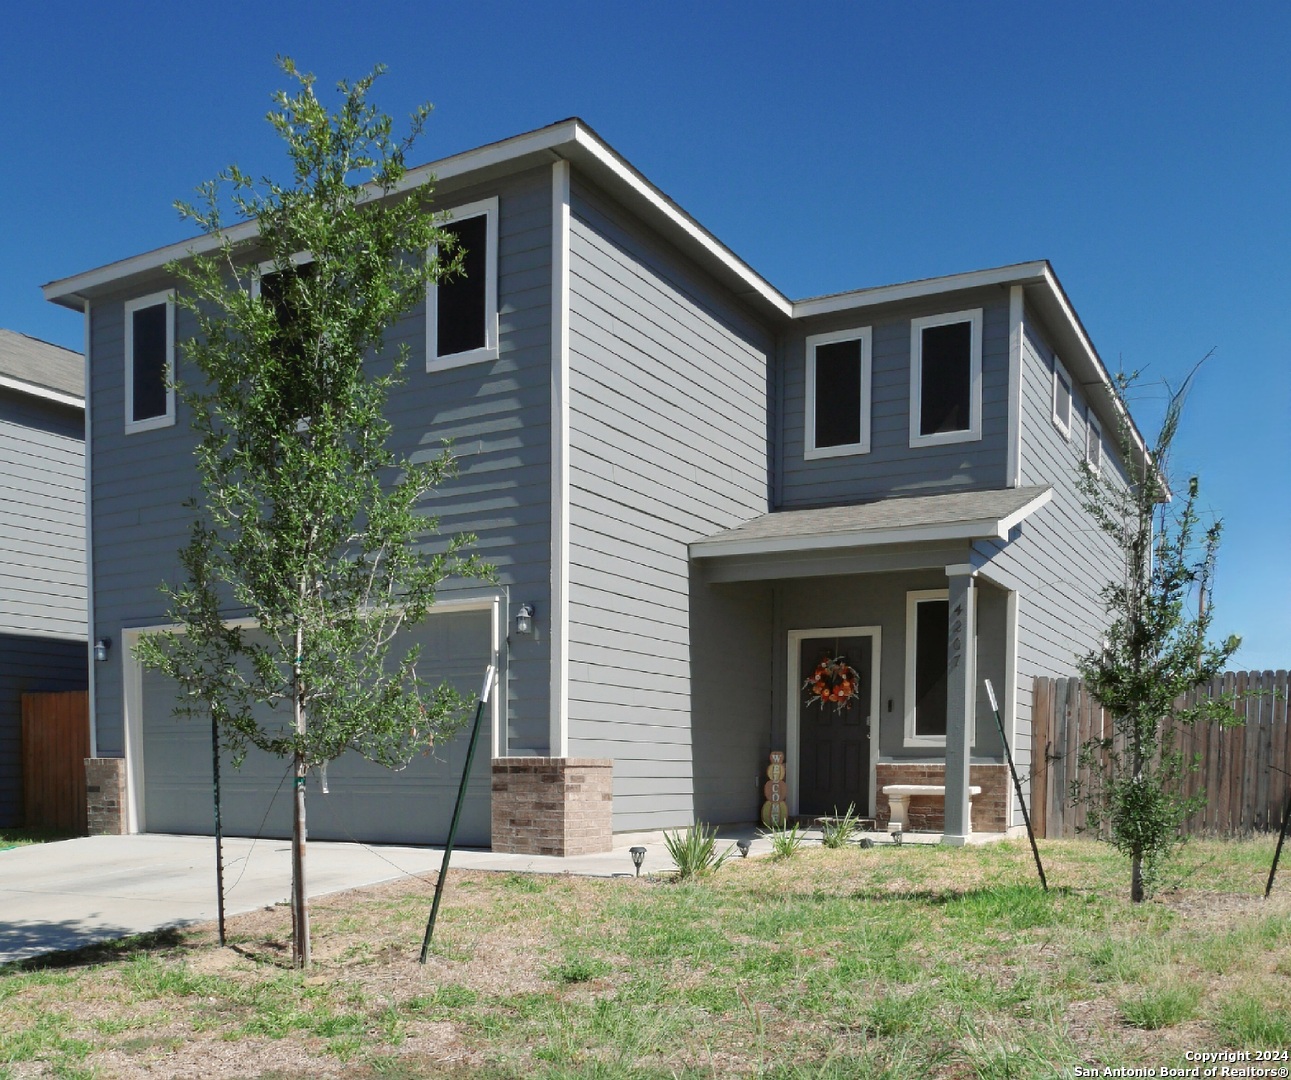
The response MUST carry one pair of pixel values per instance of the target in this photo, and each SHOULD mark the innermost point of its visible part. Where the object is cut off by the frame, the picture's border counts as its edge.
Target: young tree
(307, 524)
(1156, 651)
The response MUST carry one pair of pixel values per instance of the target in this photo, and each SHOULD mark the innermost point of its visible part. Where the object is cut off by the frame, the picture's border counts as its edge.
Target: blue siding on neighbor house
(668, 423)
(28, 665)
(42, 517)
(892, 466)
(497, 412)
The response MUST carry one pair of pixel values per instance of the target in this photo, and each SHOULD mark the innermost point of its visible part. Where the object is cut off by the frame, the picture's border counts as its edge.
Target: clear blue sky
(1143, 148)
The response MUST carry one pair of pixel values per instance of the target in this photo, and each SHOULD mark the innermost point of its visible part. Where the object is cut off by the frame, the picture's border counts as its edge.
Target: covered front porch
(902, 597)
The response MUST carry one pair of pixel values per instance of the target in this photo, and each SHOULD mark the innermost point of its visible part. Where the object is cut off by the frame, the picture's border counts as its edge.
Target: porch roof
(961, 515)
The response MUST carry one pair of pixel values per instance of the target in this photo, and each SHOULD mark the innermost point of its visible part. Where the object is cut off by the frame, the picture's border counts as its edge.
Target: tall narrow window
(838, 394)
(927, 633)
(946, 378)
(149, 359)
(462, 311)
(1093, 441)
(284, 290)
(1061, 398)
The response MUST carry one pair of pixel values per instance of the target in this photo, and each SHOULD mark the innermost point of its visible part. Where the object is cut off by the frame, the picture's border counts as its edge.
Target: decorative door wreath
(834, 681)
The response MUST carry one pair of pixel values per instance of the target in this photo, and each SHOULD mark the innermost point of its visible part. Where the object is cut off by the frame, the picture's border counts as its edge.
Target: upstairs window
(282, 288)
(1093, 442)
(946, 378)
(1061, 398)
(927, 643)
(838, 394)
(149, 362)
(462, 312)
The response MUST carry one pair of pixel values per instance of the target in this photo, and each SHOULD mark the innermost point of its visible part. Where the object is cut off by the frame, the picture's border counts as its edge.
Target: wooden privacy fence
(55, 744)
(1243, 771)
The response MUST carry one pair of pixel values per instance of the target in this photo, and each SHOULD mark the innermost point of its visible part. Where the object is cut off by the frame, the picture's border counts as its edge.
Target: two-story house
(42, 539)
(693, 488)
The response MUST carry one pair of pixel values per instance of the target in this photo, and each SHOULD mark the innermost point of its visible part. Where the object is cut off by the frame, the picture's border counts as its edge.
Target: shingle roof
(42, 365)
(959, 515)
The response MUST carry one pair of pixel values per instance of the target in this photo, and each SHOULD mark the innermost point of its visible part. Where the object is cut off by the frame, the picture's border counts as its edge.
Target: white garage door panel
(366, 802)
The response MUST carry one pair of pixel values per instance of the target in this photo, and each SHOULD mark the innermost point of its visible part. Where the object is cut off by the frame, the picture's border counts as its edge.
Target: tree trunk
(1136, 878)
(299, 902)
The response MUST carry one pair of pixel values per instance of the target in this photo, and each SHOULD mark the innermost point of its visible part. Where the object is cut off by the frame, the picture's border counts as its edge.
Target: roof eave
(571, 139)
(989, 528)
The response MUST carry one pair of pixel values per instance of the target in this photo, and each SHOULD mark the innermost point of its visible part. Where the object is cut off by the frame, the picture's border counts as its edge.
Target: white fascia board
(1059, 297)
(1018, 274)
(1006, 524)
(64, 290)
(45, 392)
(678, 218)
(558, 139)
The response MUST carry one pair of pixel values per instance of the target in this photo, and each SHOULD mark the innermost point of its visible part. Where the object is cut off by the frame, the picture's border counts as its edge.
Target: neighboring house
(42, 538)
(698, 486)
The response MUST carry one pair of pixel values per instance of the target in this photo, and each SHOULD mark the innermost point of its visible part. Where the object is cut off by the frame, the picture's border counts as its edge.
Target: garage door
(365, 802)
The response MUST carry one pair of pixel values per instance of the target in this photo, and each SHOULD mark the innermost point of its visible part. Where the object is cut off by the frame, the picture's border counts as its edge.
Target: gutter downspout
(89, 545)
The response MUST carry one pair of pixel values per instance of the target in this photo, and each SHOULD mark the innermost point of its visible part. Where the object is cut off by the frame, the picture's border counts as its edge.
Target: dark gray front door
(834, 744)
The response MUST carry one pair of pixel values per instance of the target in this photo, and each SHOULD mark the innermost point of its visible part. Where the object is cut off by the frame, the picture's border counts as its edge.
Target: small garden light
(638, 857)
(744, 846)
(524, 619)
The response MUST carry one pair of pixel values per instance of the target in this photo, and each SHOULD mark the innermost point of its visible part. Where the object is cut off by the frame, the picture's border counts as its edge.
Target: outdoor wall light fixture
(524, 619)
(638, 857)
(744, 846)
(101, 648)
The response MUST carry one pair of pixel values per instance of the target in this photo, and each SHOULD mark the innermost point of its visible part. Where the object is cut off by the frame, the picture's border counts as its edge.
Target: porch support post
(961, 720)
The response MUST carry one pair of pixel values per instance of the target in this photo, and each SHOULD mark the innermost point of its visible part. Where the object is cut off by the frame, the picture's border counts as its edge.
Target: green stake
(457, 813)
(1017, 784)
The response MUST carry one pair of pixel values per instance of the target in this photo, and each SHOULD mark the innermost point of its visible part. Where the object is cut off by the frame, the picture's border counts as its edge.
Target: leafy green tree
(308, 525)
(1156, 650)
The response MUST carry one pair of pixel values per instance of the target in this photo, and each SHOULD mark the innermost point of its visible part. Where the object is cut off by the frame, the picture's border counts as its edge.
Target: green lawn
(891, 962)
(16, 837)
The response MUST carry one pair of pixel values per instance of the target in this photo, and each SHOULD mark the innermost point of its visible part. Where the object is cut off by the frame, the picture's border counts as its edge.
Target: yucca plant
(785, 841)
(694, 850)
(835, 832)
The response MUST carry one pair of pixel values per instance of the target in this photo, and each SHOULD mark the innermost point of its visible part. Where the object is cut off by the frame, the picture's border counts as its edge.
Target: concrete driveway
(76, 892)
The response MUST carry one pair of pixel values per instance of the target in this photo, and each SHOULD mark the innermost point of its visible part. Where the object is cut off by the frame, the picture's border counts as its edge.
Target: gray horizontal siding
(28, 665)
(893, 467)
(1061, 560)
(42, 517)
(668, 422)
(497, 414)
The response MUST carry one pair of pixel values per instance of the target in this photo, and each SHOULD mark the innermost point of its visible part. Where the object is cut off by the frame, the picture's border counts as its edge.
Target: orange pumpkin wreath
(834, 681)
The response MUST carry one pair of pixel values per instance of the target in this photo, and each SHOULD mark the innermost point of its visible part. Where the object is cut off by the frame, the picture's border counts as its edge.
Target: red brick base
(928, 813)
(553, 806)
(105, 796)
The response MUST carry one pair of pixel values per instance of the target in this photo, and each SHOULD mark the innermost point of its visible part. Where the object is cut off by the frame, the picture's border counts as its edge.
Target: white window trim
(912, 601)
(1093, 436)
(166, 419)
(973, 433)
(1060, 376)
(270, 266)
(810, 449)
(488, 209)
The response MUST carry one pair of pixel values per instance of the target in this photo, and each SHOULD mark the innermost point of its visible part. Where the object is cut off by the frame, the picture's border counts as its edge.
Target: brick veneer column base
(928, 813)
(553, 806)
(105, 795)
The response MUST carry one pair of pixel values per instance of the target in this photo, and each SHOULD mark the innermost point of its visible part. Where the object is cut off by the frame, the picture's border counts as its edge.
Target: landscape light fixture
(524, 619)
(638, 857)
(101, 648)
(744, 846)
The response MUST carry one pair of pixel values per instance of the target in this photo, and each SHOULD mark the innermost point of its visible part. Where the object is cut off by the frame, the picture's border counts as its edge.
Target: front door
(834, 736)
